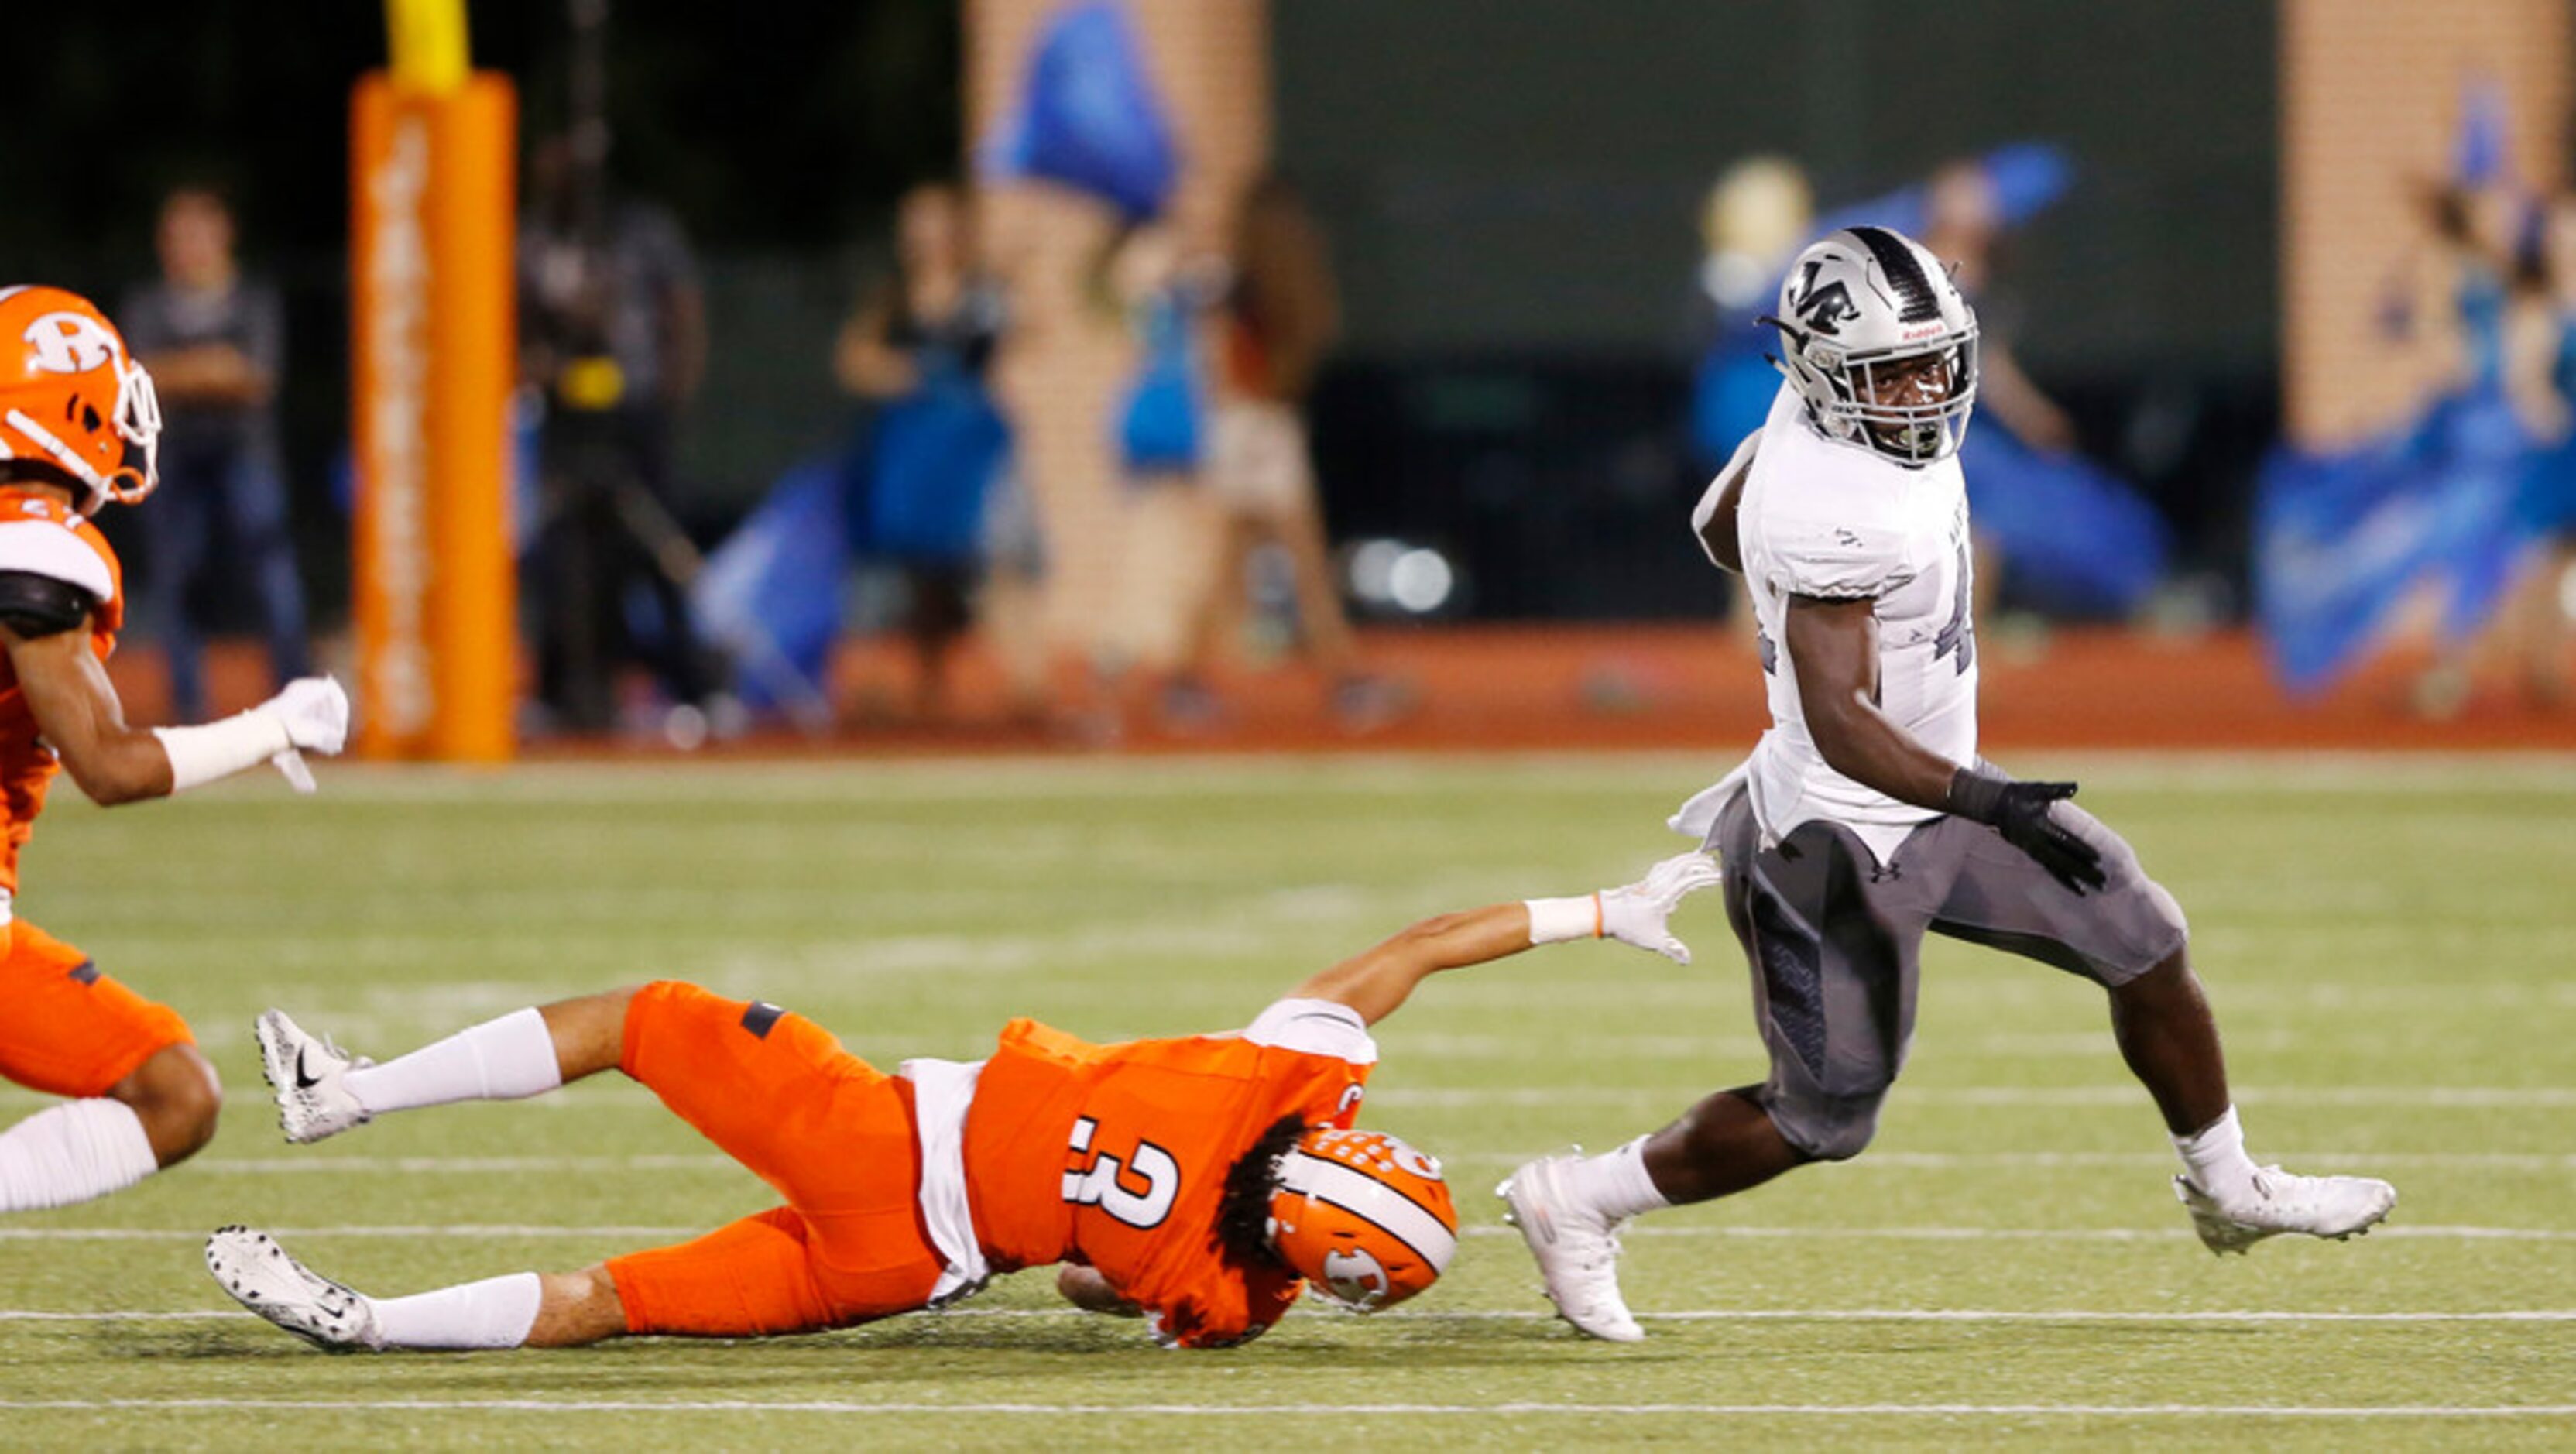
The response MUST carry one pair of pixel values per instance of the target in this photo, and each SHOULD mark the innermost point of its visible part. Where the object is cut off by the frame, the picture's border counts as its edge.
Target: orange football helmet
(72, 397)
(1363, 1217)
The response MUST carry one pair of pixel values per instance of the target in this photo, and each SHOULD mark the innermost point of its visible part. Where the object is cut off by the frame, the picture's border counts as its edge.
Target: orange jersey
(1116, 1156)
(40, 534)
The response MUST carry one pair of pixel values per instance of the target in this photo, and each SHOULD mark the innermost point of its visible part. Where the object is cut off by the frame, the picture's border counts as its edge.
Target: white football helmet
(1879, 342)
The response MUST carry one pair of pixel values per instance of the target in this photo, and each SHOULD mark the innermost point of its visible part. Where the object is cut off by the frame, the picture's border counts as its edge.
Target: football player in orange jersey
(78, 428)
(1199, 1182)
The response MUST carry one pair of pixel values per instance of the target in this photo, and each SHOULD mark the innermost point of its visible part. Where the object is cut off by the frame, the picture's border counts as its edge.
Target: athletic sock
(1615, 1183)
(71, 1153)
(2214, 1158)
(500, 1060)
(494, 1313)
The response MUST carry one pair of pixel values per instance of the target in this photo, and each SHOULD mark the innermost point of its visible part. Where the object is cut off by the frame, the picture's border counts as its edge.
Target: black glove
(2019, 811)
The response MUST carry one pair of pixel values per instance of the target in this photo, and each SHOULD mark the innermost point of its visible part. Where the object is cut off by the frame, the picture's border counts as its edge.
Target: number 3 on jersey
(1113, 1184)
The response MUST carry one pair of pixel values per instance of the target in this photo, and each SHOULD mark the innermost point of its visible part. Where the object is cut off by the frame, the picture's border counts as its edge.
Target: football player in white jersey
(1865, 818)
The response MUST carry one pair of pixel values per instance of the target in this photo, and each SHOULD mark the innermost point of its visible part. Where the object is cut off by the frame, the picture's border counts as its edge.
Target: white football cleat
(1577, 1251)
(261, 1277)
(311, 1078)
(2279, 1201)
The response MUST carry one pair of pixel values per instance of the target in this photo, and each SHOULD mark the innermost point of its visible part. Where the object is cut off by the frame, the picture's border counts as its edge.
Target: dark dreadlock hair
(1242, 1231)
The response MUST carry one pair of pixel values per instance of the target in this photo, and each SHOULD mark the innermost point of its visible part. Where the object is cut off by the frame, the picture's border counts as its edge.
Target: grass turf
(2385, 943)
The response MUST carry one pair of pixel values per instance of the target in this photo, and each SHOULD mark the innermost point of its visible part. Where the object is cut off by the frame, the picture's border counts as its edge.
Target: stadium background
(1511, 191)
(2158, 278)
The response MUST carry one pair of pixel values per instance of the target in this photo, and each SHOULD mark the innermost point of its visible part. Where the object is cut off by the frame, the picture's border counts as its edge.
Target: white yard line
(326, 1164)
(1677, 773)
(1916, 1234)
(2464, 1097)
(465, 1165)
(557, 1405)
(2447, 1097)
(1685, 1315)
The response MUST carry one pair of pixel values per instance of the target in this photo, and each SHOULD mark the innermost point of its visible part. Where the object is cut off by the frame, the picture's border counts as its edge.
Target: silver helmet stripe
(1916, 302)
(1363, 1195)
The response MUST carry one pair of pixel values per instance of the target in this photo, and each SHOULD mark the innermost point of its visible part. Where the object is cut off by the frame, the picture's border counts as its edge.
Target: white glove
(315, 713)
(312, 712)
(1636, 913)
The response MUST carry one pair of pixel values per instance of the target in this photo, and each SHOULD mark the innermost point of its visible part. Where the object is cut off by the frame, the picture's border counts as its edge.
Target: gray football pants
(1834, 942)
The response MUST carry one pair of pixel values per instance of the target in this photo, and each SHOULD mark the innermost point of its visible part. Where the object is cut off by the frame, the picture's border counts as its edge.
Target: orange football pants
(67, 1029)
(833, 1134)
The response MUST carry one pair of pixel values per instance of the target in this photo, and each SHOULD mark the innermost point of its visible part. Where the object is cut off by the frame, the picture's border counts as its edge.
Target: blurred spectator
(2063, 533)
(1168, 278)
(2452, 508)
(1282, 315)
(918, 349)
(216, 345)
(1964, 223)
(613, 328)
(2545, 602)
(1755, 218)
(2505, 264)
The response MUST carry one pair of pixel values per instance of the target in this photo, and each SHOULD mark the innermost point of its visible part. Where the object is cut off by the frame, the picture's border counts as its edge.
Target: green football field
(2387, 942)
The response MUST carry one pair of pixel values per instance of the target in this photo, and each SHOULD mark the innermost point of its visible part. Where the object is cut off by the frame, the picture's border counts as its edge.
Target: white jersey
(1818, 518)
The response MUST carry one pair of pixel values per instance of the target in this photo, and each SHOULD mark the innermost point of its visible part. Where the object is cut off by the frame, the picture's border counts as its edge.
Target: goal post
(433, 185)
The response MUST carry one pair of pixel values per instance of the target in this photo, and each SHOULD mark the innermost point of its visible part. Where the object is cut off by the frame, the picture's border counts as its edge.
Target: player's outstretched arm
(1833, 648)
(77, 710)
(1378, 980)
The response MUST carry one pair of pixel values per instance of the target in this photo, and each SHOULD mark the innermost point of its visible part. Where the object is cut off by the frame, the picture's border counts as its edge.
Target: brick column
(1070, 356)
(2370, 103)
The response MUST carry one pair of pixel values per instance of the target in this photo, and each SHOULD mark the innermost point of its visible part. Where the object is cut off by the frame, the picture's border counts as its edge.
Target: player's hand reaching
(315, 713)
(2019, 811)
(1636, 914)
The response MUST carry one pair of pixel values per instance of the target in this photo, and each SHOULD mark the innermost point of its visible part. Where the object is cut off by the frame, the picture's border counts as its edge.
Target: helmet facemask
(1883, 403)
(138, 423)
(1875, 317)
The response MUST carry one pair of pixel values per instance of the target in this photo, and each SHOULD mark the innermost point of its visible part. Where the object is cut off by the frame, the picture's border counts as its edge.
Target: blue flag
(931, 458)
(1087, 115)
(2341, 540)
(771, 594)
(2076, 539)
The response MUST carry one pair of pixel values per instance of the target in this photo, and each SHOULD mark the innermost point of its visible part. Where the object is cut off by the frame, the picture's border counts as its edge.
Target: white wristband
(1554, 921)
(200, 755)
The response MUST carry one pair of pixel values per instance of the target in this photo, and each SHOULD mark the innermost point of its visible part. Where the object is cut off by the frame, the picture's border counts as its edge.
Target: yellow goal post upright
(433, 325)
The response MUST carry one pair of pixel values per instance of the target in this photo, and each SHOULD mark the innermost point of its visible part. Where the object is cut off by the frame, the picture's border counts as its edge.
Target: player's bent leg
(589, 1033)
(2130, 937)
(1725, 1144)
(177, 1096)
(497, 1312)
(322, 1090)
(2168, 1037)
(753, 1278)
(140, 1096)
(768, 1087)
(577, 1309)
(2170, 1041)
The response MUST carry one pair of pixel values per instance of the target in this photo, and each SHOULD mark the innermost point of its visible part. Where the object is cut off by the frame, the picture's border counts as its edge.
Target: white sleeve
(1315, 1027)
(1837, 562)
(1706, 509)
(43, 548)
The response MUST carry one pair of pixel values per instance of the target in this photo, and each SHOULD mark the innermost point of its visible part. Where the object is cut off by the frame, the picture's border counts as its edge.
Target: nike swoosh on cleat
(303, 1081)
